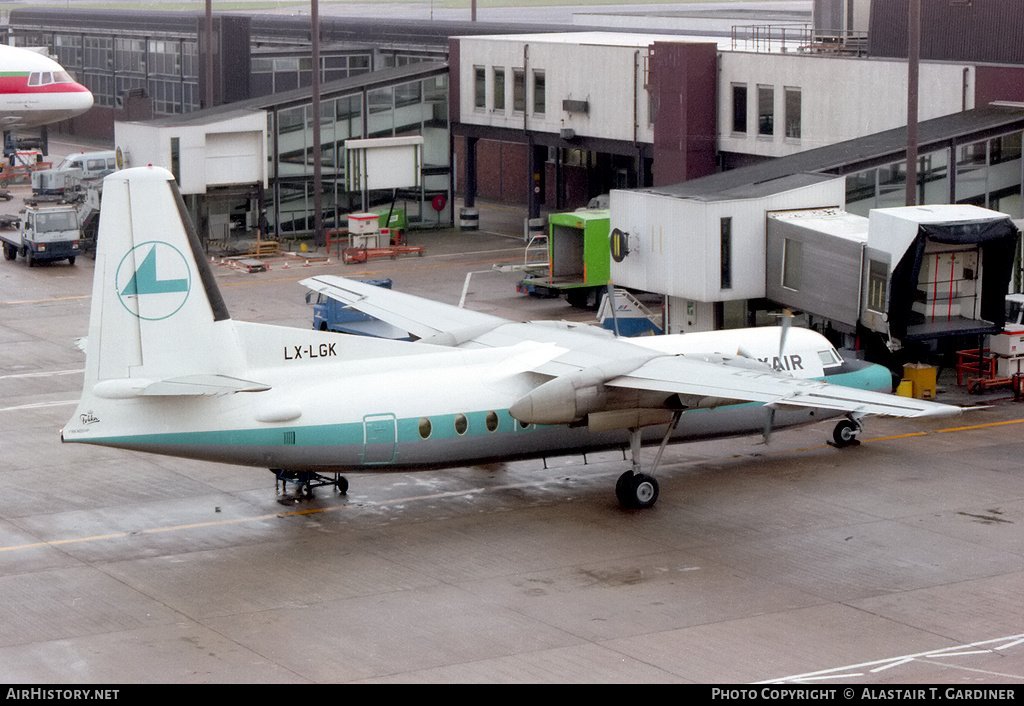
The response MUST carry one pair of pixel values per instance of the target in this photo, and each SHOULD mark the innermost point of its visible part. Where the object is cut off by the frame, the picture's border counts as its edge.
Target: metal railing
(798, 37)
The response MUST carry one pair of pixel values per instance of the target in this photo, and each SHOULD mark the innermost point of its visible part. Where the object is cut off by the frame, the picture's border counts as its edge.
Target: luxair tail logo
(153, 280)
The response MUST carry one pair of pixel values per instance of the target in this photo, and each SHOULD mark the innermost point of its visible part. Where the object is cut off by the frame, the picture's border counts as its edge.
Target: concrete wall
(841, 98)
(609, 77)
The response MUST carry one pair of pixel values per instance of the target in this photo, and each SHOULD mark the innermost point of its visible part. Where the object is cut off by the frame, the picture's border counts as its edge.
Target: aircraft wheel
(845, 434)
(636, 491)
(622, 488)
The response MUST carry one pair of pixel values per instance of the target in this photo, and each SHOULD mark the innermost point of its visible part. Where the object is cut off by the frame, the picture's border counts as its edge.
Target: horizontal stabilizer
(187, 386)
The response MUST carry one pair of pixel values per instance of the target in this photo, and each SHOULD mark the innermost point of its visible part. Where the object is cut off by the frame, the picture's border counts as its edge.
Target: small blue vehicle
(332, 315)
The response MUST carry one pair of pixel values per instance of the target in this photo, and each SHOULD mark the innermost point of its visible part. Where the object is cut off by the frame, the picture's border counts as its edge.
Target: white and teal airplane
(168, 371)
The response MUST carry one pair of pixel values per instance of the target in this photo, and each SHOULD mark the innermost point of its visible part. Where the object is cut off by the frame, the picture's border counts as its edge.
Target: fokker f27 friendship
(169, 372)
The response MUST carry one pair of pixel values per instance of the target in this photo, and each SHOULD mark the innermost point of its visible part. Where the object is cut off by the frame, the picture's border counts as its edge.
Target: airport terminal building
(548, 118)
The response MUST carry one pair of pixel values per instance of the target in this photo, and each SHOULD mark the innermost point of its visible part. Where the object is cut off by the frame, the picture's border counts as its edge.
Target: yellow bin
(922, 378)
(905, 388)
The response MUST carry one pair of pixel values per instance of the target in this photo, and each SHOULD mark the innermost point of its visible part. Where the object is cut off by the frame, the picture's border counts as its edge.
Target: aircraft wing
(698, 378)
(434, 322)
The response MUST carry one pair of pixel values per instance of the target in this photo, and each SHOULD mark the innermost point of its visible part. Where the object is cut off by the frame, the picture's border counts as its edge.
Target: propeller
(786, 321)
(611, 301)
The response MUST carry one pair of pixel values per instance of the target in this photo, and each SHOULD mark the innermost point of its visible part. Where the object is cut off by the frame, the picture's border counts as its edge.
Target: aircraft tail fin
(155, 304)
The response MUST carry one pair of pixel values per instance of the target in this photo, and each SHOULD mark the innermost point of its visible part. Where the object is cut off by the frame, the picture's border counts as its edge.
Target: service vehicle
(332, 315)
(577, 260)
(74, 175)
(45, 234)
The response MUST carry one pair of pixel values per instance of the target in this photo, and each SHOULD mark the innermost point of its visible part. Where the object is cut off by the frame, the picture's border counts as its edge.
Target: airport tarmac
(897, 561)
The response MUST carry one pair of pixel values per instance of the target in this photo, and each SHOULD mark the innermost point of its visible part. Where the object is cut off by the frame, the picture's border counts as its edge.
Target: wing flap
(699, 378)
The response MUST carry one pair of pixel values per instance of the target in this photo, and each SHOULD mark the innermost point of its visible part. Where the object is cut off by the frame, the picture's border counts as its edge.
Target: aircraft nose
(80, 99)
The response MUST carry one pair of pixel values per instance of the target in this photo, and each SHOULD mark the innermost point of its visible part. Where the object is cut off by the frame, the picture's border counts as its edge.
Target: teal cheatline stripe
(872, 377)
(443, 426)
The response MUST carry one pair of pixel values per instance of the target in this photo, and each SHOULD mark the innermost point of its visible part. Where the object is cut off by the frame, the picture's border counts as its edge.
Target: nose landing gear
(845, 433)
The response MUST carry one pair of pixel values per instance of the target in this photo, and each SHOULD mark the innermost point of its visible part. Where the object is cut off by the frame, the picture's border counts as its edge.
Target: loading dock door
(380, 437)
(966, 265)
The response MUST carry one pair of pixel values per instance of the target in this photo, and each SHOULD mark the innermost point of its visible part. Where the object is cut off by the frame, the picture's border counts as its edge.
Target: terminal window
(725, 232)
(518, 91)
(538, 93)
(480, 87)
(499, 88)
(792, 264)
(739, 109)
(765, 110)
(793, 113)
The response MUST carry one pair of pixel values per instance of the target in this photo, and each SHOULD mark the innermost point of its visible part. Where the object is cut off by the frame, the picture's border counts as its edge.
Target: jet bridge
(908, 274)
(949, 269)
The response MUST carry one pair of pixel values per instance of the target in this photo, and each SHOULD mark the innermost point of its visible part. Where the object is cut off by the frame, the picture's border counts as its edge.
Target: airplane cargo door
(380, 437)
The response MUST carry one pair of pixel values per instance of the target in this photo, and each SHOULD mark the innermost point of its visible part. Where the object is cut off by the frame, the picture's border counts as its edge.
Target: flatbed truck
(45, 234)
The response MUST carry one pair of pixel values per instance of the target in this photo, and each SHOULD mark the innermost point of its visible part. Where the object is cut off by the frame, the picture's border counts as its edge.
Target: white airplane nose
(80, 101)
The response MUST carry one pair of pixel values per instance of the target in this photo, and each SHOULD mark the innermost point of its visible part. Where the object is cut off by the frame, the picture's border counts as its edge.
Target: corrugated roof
(298, 96)
(848, 157)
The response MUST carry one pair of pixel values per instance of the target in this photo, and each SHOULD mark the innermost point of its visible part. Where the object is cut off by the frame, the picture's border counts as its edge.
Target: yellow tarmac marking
(361, 273)
(52, 299)
(981, 426)
(449, 494)
(257, 518)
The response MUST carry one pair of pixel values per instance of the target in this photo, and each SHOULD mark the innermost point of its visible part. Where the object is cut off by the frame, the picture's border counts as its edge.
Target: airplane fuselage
(36, 91)
(329, 412)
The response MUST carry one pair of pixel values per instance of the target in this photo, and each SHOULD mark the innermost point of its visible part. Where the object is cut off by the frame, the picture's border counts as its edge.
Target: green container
(397, 221)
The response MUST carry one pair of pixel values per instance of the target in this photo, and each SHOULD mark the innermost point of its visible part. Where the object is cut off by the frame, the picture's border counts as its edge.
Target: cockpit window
(45, 78)
(830, 358)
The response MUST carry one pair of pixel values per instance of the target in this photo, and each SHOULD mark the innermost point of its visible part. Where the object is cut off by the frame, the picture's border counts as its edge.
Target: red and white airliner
(36, 91)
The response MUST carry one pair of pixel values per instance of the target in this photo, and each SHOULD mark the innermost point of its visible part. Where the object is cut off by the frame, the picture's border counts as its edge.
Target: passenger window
(425, 428)
(461, 424)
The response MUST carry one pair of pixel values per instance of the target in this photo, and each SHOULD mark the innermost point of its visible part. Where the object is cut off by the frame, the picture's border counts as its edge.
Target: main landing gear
(636, 490)
(846, 431)
(307, 481)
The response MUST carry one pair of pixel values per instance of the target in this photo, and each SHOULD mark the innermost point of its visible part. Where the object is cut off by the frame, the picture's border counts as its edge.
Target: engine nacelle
(570, 398)
(558, 401)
